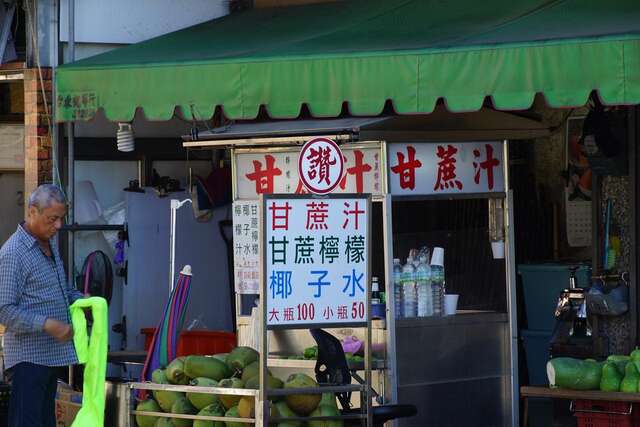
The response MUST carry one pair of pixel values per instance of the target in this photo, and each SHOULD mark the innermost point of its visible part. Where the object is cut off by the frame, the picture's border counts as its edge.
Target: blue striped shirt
(33, 288)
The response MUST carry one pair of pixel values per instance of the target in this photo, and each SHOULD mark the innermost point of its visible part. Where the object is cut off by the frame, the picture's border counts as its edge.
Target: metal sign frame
(365, 389)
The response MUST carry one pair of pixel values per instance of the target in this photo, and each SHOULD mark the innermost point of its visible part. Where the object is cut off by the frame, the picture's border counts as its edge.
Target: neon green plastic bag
(92, 352)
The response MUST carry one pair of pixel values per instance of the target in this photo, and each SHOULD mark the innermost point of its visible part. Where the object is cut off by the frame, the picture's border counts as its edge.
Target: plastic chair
(332, 369)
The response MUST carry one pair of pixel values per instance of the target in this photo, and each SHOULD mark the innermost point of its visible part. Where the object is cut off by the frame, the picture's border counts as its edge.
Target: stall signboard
(316, 259)
(276, 171)
(246, 246)
(445, 168)
(320, 165)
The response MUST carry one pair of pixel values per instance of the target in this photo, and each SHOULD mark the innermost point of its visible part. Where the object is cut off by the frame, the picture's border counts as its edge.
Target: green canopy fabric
(364, 53)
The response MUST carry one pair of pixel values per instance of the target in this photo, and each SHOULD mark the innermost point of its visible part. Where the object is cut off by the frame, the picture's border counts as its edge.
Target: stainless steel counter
(455, 369)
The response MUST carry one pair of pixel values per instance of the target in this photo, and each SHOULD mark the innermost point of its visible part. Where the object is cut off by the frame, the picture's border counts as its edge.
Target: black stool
(332, 368)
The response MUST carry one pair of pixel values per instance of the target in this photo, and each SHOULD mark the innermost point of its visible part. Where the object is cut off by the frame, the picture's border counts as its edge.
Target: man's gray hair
(46, 195)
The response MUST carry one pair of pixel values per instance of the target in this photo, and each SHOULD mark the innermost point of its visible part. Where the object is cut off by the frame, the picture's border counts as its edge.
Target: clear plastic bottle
(437, 281)
(423, 284)
(409, 294)
(397, 289)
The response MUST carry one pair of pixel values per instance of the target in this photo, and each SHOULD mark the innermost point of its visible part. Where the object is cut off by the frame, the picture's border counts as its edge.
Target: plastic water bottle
(423, 284)
(397, 289)
(409, 295)
(437, 281)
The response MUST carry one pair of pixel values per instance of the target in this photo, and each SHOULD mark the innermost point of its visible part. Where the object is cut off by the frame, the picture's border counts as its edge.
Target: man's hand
(62, 332)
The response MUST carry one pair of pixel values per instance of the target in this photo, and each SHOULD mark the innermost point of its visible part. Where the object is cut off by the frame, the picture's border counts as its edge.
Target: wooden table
(560, 393)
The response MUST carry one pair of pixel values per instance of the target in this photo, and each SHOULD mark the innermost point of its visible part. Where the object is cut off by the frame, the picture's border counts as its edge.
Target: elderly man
(34, 307)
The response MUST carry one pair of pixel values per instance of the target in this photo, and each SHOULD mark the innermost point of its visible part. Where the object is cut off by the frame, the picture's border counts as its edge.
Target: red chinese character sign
(316, 260)
(271, 172)
(320, 165)
(446, 168)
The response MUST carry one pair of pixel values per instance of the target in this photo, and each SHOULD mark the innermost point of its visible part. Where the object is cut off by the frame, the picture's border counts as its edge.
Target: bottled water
(423, 284)
(397, 289)
(409, 295)
(437, 286)
(437, 281)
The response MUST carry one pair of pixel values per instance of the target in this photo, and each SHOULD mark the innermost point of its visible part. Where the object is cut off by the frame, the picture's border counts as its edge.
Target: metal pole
(510, 270)
(71, 56)
(172, 243)
(175, 205)
(70, 165)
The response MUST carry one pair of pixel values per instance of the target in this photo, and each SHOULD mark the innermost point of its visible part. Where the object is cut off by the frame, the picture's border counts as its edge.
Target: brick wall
(37, 143)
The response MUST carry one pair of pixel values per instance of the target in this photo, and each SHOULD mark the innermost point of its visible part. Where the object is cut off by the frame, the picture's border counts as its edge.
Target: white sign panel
(277, 172)
(445, 168)
(246, 246)
(316, 260)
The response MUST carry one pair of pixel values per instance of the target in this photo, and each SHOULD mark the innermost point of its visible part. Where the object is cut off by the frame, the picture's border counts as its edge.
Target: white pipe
(175, 205)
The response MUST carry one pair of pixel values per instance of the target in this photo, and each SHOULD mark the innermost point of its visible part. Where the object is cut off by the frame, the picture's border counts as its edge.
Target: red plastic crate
(202, 342)
(600, 413)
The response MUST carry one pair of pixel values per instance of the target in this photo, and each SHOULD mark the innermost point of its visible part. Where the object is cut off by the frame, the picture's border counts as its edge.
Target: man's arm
(13, 317)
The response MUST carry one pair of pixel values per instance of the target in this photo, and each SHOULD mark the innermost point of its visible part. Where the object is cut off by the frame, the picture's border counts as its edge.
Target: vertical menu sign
(246, 246)
(316, 252)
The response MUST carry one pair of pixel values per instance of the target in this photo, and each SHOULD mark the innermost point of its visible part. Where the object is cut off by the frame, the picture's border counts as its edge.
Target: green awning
(365, 53)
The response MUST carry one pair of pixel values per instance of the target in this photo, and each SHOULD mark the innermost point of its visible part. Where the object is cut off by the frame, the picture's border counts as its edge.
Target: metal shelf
(193, 389)
(194, 417)
(316, 390)
(276, 362)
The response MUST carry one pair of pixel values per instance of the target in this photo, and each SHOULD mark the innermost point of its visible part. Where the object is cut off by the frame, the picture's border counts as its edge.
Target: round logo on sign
(320, 165)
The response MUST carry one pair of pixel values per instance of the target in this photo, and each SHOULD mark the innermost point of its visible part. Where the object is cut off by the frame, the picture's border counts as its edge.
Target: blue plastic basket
(536, 349)
(541, 285)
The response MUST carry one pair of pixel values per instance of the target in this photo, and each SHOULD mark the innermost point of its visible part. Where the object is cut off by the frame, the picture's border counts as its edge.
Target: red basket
(600, 413)
(202, 342)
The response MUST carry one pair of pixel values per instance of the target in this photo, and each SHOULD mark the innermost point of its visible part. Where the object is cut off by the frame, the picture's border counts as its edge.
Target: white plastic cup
(450, 304)
(437, 258)
(497, 248)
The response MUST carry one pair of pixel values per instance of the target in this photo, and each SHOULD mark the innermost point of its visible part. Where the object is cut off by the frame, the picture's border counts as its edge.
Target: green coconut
(233, 413)
(302, 404)
(221, 357)
(207, 367)
(214, 410)
(183, 407)
(148, 405)
(325, 411)
(229, 401)
(200, 400)
(164, 422)
(241, 357)
(166, 398)
(254, 383)
(159, 376)
(611, 377)
(283, 411)
(247, 407)
(175, 372)
(251, 371)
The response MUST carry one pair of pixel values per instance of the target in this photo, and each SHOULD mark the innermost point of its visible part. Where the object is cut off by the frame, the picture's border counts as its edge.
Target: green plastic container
(536, 350)
(541, 285)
